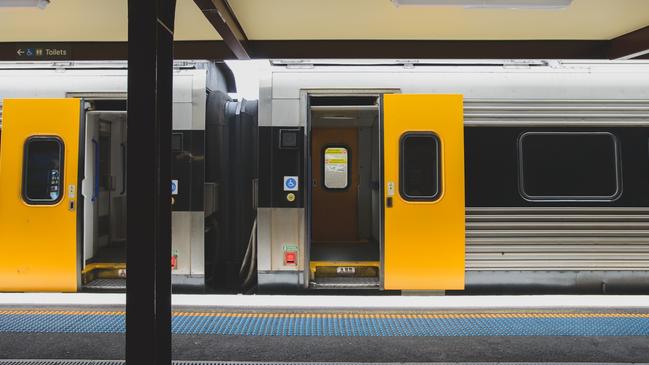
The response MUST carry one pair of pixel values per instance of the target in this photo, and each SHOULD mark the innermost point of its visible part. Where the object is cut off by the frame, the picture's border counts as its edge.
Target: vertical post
(148, 286)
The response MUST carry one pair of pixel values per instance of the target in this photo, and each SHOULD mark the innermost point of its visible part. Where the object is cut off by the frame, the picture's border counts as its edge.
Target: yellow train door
(38, 195)
(424, 192)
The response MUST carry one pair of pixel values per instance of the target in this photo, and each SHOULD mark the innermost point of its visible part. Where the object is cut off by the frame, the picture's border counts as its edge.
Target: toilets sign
(39, 52)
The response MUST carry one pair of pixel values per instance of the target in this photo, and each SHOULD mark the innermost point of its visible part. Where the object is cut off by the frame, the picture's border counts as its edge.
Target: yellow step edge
(314, 264)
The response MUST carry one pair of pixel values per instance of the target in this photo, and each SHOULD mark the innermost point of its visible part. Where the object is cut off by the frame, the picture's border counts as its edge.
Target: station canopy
(222, 29)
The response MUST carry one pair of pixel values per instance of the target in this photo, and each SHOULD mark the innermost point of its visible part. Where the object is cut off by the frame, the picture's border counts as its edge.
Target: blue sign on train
(291, 183)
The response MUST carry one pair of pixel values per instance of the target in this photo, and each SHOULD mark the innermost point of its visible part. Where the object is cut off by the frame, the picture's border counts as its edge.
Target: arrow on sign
(20, 52)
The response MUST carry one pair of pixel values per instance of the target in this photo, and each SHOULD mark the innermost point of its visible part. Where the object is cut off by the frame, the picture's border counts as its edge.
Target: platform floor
(437, 329)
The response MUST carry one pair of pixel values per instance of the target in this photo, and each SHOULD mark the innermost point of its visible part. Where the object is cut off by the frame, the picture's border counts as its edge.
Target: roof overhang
(227, 29)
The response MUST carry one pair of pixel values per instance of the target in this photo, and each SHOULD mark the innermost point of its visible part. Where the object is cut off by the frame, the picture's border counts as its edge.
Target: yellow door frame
(424, 239)
(38, 238)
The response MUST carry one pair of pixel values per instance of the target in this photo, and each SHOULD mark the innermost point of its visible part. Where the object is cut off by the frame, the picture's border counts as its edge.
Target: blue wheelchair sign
(291, 183)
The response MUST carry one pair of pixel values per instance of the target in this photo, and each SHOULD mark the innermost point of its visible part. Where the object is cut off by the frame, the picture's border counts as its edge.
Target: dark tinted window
(568, 166)
(43, 170)
(420, 166)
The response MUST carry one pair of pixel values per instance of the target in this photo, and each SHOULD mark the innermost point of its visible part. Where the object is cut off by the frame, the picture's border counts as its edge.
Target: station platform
(596, 329)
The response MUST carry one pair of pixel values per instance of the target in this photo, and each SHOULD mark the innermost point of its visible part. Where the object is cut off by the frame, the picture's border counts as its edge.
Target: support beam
(148, 285)
(388, 49)
(630, 45)
(220, 15)
(109, 51)
(429, 49)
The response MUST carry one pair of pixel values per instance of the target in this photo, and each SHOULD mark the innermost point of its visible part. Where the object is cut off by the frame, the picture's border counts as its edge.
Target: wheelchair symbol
(290, 183)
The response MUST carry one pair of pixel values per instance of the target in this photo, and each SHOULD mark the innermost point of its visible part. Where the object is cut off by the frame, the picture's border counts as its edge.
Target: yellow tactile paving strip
(344, 315)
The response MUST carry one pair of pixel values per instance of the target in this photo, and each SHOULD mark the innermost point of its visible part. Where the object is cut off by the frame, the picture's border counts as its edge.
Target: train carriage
(507, 176)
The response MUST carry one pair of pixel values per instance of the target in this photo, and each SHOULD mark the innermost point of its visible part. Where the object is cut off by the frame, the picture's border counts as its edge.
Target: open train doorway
(104, 191)
(345, 199)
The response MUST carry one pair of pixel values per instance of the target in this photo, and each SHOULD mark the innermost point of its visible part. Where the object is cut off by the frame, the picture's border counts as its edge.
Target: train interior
(104, 191)
(345, 209)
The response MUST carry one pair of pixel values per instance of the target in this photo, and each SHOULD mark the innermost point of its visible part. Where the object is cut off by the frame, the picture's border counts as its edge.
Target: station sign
(35, 52)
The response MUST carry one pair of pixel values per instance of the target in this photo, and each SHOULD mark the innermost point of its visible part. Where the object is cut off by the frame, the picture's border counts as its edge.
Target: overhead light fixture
(490, 4)
(41, 4)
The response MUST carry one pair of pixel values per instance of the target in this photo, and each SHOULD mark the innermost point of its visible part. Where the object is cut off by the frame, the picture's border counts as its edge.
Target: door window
(420, 167)
(43, 170)
(336, 167)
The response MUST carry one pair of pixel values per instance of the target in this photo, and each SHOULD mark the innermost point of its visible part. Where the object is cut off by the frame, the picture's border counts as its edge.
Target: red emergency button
(290, 258)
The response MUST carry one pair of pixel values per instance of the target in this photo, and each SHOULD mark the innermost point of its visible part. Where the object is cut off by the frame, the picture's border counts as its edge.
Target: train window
(566, 166)
(43, 170)
(336, 167)
(420, 167)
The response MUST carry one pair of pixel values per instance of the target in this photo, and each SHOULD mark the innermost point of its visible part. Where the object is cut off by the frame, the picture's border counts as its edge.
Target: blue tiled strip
(270, 324)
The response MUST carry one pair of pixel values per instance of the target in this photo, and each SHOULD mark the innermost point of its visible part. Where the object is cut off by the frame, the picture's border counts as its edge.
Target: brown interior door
(334, 207)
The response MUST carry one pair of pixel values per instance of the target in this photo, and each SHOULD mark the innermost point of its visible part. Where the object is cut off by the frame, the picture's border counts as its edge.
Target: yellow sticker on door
(336, 162)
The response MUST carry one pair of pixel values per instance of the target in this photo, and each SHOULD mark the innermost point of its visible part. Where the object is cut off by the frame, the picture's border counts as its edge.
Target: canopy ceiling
(106, 20)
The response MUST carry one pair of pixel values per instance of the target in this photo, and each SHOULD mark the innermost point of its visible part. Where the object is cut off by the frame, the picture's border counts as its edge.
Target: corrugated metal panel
(557, 239)
(510, 112)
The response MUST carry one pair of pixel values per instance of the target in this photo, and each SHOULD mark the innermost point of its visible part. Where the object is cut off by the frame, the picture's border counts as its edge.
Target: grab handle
(95, 190)
(123, 169)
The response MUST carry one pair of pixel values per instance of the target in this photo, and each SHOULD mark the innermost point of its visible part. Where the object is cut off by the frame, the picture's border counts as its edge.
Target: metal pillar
(148, 286)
